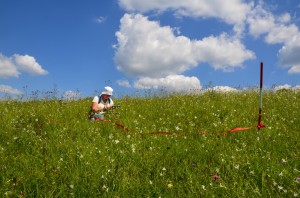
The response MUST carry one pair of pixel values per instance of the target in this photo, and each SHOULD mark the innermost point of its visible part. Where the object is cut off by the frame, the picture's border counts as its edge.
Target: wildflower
(133, 148)
(117, 141)
(295, 194)
(164, 169)
(280, 187)
(216, 176)
(150, 182)
(283, 161)
(170, 185)
(8, 193)
(203, 187)
(71, 186)
(237, 166)
(281, 174)
(298, 179)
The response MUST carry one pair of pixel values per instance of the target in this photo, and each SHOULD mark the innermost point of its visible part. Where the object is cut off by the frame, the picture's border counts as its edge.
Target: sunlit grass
(48, 148)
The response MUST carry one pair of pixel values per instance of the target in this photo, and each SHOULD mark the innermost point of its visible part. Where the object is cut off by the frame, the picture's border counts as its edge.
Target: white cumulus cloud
(277, 29)
(9, 90)
(257, 17)
(171, 83)
(230, 11)
(123, 83)
(14, 65)
(222, 89)
(295, 69)
(222, 52)
(28, 64)
(281, 87)
(260, 21)
(7, 67)
(146, 49)
(150, 51)
(289, 54)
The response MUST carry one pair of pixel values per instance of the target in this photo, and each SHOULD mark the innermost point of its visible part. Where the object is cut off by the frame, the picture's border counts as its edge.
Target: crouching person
(101, 104)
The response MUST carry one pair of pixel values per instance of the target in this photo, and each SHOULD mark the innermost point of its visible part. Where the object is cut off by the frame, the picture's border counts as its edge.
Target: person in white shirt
(101, 104)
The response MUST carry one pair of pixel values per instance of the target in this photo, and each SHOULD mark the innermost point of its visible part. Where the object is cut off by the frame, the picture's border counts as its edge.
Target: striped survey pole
(259, 124)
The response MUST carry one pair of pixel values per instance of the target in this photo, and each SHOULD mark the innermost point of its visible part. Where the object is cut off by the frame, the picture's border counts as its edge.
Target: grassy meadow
(48, 148)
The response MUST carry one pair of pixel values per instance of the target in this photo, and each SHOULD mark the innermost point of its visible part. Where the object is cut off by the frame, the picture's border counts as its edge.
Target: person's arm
(95, 106)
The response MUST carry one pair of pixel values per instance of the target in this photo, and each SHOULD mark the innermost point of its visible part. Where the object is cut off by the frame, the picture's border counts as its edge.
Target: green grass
(48, 148)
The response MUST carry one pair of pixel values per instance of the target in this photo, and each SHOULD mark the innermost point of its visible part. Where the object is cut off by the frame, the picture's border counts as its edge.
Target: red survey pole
(259, 124)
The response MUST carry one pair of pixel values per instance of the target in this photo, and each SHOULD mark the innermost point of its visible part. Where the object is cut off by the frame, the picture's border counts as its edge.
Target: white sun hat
(108, 91)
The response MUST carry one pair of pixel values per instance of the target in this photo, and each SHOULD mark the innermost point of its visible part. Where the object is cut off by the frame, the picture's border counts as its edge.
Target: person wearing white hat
(101, 104)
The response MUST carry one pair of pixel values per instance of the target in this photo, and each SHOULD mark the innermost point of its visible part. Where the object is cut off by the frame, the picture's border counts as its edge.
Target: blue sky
(78, 47)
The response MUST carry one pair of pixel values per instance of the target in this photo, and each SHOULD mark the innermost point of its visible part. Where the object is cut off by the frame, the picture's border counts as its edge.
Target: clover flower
(216, 176)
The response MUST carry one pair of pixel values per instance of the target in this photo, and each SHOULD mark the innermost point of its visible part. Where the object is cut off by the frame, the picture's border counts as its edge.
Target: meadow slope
(48, 148)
